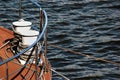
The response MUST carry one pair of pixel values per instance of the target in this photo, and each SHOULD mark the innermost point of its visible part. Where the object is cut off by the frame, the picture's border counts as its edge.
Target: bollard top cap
(22, 22)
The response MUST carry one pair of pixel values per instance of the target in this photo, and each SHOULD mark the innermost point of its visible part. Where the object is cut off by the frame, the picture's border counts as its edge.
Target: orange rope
(89, 56)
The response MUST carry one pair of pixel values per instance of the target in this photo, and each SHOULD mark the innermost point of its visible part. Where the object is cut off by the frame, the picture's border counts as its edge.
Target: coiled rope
(89, 56)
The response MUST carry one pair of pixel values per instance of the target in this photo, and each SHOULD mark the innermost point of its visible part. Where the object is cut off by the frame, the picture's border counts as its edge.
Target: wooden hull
(13, 70)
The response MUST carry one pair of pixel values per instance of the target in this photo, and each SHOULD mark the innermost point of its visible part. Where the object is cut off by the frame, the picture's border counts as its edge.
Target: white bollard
(22, 25)
(29, 37)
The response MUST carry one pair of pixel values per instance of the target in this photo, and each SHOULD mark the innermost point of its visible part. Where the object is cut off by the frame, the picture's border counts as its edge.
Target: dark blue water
(91, 27)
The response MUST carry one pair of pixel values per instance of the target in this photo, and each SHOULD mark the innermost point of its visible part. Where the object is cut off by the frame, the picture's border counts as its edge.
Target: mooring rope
(89, 56)
(4, 44)
(60, 74)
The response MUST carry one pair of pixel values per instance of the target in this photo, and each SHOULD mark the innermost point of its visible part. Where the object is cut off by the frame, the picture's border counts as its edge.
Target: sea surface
(91, 27)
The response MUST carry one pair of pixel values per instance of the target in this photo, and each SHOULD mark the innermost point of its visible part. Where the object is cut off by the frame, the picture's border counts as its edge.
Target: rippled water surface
(91, 27)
